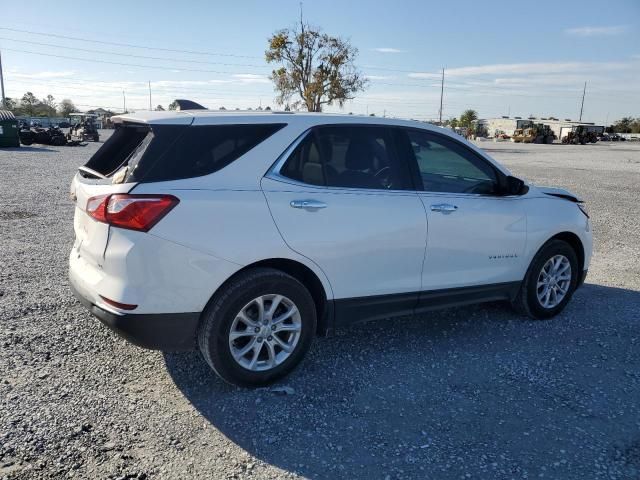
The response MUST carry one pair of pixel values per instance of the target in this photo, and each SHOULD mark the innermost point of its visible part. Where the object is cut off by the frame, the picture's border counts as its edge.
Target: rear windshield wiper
(91, 173)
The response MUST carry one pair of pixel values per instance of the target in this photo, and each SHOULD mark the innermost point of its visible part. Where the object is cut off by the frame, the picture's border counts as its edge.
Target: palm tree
(468, 117)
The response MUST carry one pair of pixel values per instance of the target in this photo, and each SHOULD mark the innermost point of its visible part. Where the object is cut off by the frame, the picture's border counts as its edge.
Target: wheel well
(308, 278)
(574, 241)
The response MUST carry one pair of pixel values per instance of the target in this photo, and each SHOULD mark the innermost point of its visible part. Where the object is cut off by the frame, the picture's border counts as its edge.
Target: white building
(509, 124)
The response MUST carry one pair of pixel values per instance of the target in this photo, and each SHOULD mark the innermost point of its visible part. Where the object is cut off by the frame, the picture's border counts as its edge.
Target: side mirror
(515, 186)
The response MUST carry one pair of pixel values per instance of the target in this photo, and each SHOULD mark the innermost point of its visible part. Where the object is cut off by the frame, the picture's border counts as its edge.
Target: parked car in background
(614, 137)
(245, 234)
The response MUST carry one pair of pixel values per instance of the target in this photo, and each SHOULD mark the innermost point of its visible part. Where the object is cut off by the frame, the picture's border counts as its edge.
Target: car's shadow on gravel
(477, 385)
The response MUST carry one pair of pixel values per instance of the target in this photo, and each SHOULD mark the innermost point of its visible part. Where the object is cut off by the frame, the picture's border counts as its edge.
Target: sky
(499, 58)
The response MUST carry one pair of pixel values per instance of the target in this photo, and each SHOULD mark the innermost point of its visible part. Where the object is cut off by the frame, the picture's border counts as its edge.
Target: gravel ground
(466, 393)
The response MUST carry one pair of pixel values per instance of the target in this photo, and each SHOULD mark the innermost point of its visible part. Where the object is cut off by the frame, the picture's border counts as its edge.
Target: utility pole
(124, 102)
(2, 99)
(150, 96)
(582, 105)
(441, 95)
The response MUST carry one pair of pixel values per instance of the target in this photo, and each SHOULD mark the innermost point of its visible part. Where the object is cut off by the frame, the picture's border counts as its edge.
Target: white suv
(246, 234)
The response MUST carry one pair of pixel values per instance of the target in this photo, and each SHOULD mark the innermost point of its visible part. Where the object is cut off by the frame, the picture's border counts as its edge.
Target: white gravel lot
(473, 392)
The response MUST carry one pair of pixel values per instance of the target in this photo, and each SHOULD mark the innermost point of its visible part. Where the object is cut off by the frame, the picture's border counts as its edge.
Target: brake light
(130, 211)
(95, 207)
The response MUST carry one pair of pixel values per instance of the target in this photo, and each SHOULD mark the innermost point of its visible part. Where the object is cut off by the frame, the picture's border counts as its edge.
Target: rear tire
(246, 314)
(531, 299)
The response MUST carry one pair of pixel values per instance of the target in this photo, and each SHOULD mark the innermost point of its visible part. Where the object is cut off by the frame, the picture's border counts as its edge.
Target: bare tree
(66, 107)
(49, 105)
(315, 67)
(29, 104)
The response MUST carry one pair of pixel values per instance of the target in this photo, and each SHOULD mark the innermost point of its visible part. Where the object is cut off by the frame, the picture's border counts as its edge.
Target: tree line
(31, 106)
(626, 125)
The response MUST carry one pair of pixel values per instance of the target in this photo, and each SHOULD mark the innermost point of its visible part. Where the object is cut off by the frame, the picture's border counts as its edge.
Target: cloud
(423, 75)
(43, 75)
(596, 31)
(387, 50)
(522, 68)
(251, 78)
(380, 77)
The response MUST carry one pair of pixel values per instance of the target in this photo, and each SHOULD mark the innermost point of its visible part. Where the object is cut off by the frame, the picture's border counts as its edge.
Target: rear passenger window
(197, 151)
(351, 157)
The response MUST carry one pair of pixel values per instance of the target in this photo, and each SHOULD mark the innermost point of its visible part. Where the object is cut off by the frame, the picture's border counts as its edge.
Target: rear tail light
(130, 211)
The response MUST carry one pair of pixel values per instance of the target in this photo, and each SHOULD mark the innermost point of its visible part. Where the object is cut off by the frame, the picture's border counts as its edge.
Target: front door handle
(444, 208)
(308, 204)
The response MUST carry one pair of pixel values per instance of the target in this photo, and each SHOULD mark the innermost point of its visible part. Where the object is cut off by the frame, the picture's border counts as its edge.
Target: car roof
(296, 122)
(210, 117)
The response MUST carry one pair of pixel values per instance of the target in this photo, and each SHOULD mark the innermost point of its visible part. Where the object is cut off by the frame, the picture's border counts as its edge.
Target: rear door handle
(308, 204)
(444, 208)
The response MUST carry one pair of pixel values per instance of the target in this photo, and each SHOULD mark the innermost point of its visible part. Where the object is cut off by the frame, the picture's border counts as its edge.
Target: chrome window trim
(274, 172)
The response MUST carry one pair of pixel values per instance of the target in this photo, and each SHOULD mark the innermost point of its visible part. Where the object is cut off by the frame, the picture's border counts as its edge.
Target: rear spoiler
(188, 105)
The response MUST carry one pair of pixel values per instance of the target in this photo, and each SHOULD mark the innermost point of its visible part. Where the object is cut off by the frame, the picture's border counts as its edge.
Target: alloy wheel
(265, 332)
(554, 281)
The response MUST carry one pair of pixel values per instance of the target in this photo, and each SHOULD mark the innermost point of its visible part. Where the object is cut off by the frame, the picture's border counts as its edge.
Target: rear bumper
(156, 331)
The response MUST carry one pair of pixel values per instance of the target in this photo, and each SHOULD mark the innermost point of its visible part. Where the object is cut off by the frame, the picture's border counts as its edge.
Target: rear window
(118, 149)
(196, 151)
(172, 152)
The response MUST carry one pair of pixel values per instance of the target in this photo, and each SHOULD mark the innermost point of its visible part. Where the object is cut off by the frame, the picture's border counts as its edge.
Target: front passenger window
(446, 166)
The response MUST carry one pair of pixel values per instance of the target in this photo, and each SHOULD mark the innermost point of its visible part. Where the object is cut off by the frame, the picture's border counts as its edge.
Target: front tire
(257, 328)
(550, 281)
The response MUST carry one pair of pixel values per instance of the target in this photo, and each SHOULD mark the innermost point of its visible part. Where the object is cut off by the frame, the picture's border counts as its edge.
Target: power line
(147, 57)
(129, 45)
(195, 52)
(116, 89)
(94, 60)
(466, 88)
(209, 71)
